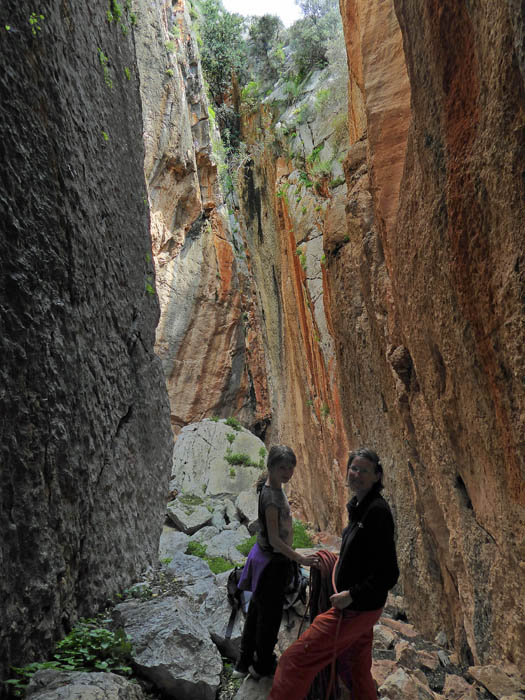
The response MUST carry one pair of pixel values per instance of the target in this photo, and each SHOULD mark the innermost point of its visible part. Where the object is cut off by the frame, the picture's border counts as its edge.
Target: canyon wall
(209, 337)
(86, 443)
(430, 337)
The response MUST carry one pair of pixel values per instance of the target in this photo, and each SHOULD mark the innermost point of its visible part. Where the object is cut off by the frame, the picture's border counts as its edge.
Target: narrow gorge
(330, 250)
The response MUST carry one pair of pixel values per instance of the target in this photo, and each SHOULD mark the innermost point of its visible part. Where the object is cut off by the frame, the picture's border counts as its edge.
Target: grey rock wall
(85, 440)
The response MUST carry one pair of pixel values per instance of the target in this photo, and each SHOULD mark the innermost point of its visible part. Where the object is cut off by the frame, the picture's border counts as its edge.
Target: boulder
(498, 681)
(199, 464)
(205, 534)
(188, 518)
(455, 687)
(406, 655)
(171, 542)
(194, 575)
(247, 504)
(216, 610)
(384, 637)
(172, 647)
(404, 686)
(254, 690)
(225, 544)
(51, 684)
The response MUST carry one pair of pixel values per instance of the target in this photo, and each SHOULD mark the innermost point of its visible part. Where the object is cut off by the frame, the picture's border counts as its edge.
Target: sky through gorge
(287, 10)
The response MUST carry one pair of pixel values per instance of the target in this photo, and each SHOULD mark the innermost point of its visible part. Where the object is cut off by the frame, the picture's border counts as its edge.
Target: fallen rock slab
(455, 687)
(225, 544)
(384, 638)
(254, 690)
(51, 684)
(171, 542)
(188, 518)
(501, 683)
(400, 685)
(172, 647)
(404, 628)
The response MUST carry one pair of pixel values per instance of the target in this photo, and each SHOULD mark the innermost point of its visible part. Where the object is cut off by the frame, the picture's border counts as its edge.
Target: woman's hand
(309, 560)
(341, 600)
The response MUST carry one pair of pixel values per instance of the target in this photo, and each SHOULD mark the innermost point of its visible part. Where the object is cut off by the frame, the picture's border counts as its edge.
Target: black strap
(231, 622)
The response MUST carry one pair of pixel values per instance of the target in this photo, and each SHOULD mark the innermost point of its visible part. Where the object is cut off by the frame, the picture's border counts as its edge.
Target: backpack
(239, 600)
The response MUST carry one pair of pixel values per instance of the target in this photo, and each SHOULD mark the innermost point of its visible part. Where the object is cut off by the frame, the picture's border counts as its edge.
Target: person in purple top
(269, 567)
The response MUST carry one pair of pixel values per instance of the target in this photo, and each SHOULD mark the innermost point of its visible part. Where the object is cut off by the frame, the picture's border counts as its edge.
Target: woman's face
(362, 476)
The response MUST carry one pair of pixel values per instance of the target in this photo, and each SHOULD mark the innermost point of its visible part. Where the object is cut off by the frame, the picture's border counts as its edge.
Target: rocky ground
(177, 616)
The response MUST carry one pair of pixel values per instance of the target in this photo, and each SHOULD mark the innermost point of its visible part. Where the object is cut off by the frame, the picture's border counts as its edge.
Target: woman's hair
(278, 454)
(371, 456)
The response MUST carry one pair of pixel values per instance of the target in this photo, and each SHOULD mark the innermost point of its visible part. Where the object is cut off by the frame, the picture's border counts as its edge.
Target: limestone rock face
(208, 338)
(86, 440)
(428, 324)
(64, 685)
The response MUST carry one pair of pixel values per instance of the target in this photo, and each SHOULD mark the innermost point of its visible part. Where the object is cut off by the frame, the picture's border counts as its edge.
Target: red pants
(314, 650)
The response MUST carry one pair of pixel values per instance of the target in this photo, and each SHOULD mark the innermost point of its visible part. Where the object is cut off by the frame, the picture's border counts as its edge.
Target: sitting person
(366, 570)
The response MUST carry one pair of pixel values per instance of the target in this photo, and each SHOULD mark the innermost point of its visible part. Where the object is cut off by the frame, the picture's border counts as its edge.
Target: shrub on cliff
(223, 49)
(311, 36)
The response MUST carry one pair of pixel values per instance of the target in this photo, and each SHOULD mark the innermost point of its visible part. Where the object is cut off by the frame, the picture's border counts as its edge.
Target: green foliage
(116, 9)
(166, 560)
(322, 99)
(230, 437)
(302, 257)
(233, 423)
(169, 72)
(325, 410)
(305, 180)
(215, 419)
(337, 181)
(223, 49)
(311, 36)
(239, 458)
(314, 155)
(170, 46)
(262, 453)
(88, 647)
(8, 27)
(216, 564)
(197, 549)
(191, 499)
(127, 73)
(323, 259)
(301, 538)
(105, 136)
(149, 287)
(34, 23)
(233, 473)
(245, 547)
(104, 60)
(265, 48)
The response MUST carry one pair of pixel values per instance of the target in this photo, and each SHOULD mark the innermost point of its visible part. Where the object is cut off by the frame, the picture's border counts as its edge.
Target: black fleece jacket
(367, 564)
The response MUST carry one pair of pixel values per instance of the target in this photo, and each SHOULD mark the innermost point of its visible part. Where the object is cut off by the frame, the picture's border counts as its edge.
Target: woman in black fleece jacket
(366, 570)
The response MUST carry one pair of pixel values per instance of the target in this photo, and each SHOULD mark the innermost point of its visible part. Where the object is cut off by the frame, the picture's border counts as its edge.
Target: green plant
(169, 46)
(302, 257)
(116, 9)
(124, 29)
(262, 452)
(166, 560)
(239, 458)
(323, 259)
(215, 419)
(127, 73)
(233, 423)
(304, 210)
(216, 564)
(233, 473)
(8, 27)
(105, 136)
(305, 180)
(245, 547)
(346, 238)
(169, 72)
(230, 437)
(34, 23)
(337, 181)
(191, 499)
(325, 410)
(322, 98)
(314, 155)
(301, 538)
(104, 60)
(23, 675)
(309, 403)
(149, 288)
(196, 549)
